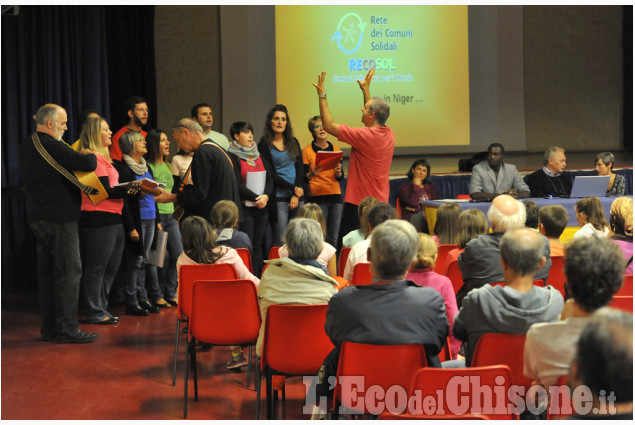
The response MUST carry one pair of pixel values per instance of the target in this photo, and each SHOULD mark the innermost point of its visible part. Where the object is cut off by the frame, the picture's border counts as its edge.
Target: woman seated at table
(622, 228)
(418, 188)
(590, 215)
(604, 166)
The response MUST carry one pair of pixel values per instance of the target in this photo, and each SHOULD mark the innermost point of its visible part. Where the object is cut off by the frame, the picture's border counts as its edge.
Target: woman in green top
(158, 147)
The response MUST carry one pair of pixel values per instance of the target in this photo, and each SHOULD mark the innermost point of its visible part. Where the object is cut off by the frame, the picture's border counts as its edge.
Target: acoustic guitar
(89, 178)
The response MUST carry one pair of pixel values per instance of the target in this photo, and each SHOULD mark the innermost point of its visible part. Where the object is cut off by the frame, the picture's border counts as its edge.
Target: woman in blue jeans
(279, 148)
(158, 147)
(140, 220)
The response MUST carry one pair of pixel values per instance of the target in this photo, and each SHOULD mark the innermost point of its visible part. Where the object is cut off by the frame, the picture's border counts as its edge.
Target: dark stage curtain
(78, 57)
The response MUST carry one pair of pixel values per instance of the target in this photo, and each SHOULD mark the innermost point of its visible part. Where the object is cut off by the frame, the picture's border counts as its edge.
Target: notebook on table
(585, 186)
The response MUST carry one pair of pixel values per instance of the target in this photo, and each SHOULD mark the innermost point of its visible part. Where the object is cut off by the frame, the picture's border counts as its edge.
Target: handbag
(156, 256)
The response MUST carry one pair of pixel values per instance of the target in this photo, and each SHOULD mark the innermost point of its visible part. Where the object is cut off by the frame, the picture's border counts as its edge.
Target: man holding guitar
(53, 208)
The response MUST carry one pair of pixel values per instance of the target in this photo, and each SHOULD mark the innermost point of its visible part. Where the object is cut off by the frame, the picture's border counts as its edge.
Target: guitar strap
(88, 190)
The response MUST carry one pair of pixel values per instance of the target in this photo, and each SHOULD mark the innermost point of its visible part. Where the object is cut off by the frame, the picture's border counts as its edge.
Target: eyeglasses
(317, 127)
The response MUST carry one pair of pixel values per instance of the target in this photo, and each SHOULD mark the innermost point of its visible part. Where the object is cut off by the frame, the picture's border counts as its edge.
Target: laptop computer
(585, 186)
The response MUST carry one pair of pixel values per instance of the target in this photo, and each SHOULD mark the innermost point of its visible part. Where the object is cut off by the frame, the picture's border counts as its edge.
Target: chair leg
(269, 389)
(176, 349)
(193, 354)
(258, 384)
(186, 371)
(249, 368)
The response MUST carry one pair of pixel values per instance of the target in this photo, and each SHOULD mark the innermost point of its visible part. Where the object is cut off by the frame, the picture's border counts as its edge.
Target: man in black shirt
(551, 180)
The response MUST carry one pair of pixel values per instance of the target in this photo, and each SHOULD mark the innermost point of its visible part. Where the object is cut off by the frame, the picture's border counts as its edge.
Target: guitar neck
(150, 190)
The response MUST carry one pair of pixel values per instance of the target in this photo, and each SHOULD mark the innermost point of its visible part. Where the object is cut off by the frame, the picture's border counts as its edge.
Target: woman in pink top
(199, 248)
(423, 275)
(472, 224)
(327, 256)
(621, 223)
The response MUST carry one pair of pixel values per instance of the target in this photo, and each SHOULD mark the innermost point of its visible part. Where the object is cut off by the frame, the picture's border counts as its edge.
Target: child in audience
(590, 215)
(472, 224)
(552, 220)
(362, 233)
(327, 257)
(224, 218)
(446, 228)
(531, 210)
(423, 274)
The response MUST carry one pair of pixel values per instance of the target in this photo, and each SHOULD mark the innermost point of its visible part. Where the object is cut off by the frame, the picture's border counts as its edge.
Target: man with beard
(138, 114)
(202, 113)
(493, 177)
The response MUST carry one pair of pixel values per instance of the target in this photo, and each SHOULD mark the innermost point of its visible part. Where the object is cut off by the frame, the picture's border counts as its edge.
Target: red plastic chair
(341, 262)
(223, 312)
(627, 287)
(556, 276)
(405, 416)
(503, 349)
(434, 381)
(560, 404)
(273, 253)
(383, 365)
(398, 207)
(463, 196)
(189, 274)
(446, 352)
(245, 255)
(455, 275)
(361, 274)
(442, 256)
(622, 302)
(295, 344)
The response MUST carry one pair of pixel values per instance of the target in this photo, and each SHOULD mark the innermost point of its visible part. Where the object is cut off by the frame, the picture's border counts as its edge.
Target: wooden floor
(125, 374)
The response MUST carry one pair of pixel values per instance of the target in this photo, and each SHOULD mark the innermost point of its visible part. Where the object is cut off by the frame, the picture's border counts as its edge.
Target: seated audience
(604, 364)
(446, 228)
(391, 310)
(604, 166)
(423, 274)
(418, 188)
(531, 210)
(362, 233)
(199, 247)
(550, 180)
(513, 308)
(224, 219)
(552, 220)
(299, 278)
(327, 257)
(622, 228)
(472, 224)
(480, 261)
(359, 253)
(594, 269)
(590, 215)
(494, 177)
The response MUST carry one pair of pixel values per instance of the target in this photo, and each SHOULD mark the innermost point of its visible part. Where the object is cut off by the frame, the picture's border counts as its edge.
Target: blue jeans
(332, 217)
(284, 215)
(102, 256)
(137, 269)
(59, 271)
(168, 280)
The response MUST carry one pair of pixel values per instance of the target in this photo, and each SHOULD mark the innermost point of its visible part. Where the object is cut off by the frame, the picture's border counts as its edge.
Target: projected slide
(420, 54)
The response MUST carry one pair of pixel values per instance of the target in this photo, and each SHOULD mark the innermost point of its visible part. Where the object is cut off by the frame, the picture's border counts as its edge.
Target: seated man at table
(550, 180)
(493, 177)
(552, 220)
(513, 308)
(480, 261)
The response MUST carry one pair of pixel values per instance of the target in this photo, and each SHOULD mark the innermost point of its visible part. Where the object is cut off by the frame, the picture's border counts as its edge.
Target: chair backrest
(383, 365)
(463, 196)
(560, 404)
(398, 207)
(273, 253)
(341, 262)
(503, 349)
(295, 342)
(245, 255)
(225, 312)
(455, 275)
(361, 274)
(479, 382)
(442, 256)
(556, 276)
(627, 287)
(622, 302)
(188, 274)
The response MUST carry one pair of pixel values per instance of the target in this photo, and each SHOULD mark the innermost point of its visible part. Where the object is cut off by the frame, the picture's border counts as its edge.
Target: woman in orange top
(324, 186)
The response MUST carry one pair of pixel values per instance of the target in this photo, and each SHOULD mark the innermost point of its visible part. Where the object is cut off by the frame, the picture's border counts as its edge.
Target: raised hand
(365, 83)
(320, 84)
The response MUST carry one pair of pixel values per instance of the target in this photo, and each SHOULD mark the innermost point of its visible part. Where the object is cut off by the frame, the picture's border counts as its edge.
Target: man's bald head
(506, 213)
(523, 250)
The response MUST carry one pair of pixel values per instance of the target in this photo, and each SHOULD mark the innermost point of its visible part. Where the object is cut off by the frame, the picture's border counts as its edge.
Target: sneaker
(237, 361)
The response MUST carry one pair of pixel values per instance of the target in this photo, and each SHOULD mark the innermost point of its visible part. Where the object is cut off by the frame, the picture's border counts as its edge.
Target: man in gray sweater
(512, 308)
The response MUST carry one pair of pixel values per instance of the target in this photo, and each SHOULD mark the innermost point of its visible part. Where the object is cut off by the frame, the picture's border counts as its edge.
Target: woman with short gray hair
(604, 166)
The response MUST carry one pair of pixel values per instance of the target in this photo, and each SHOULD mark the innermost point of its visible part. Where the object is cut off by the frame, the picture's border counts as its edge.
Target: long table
(430, 209)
